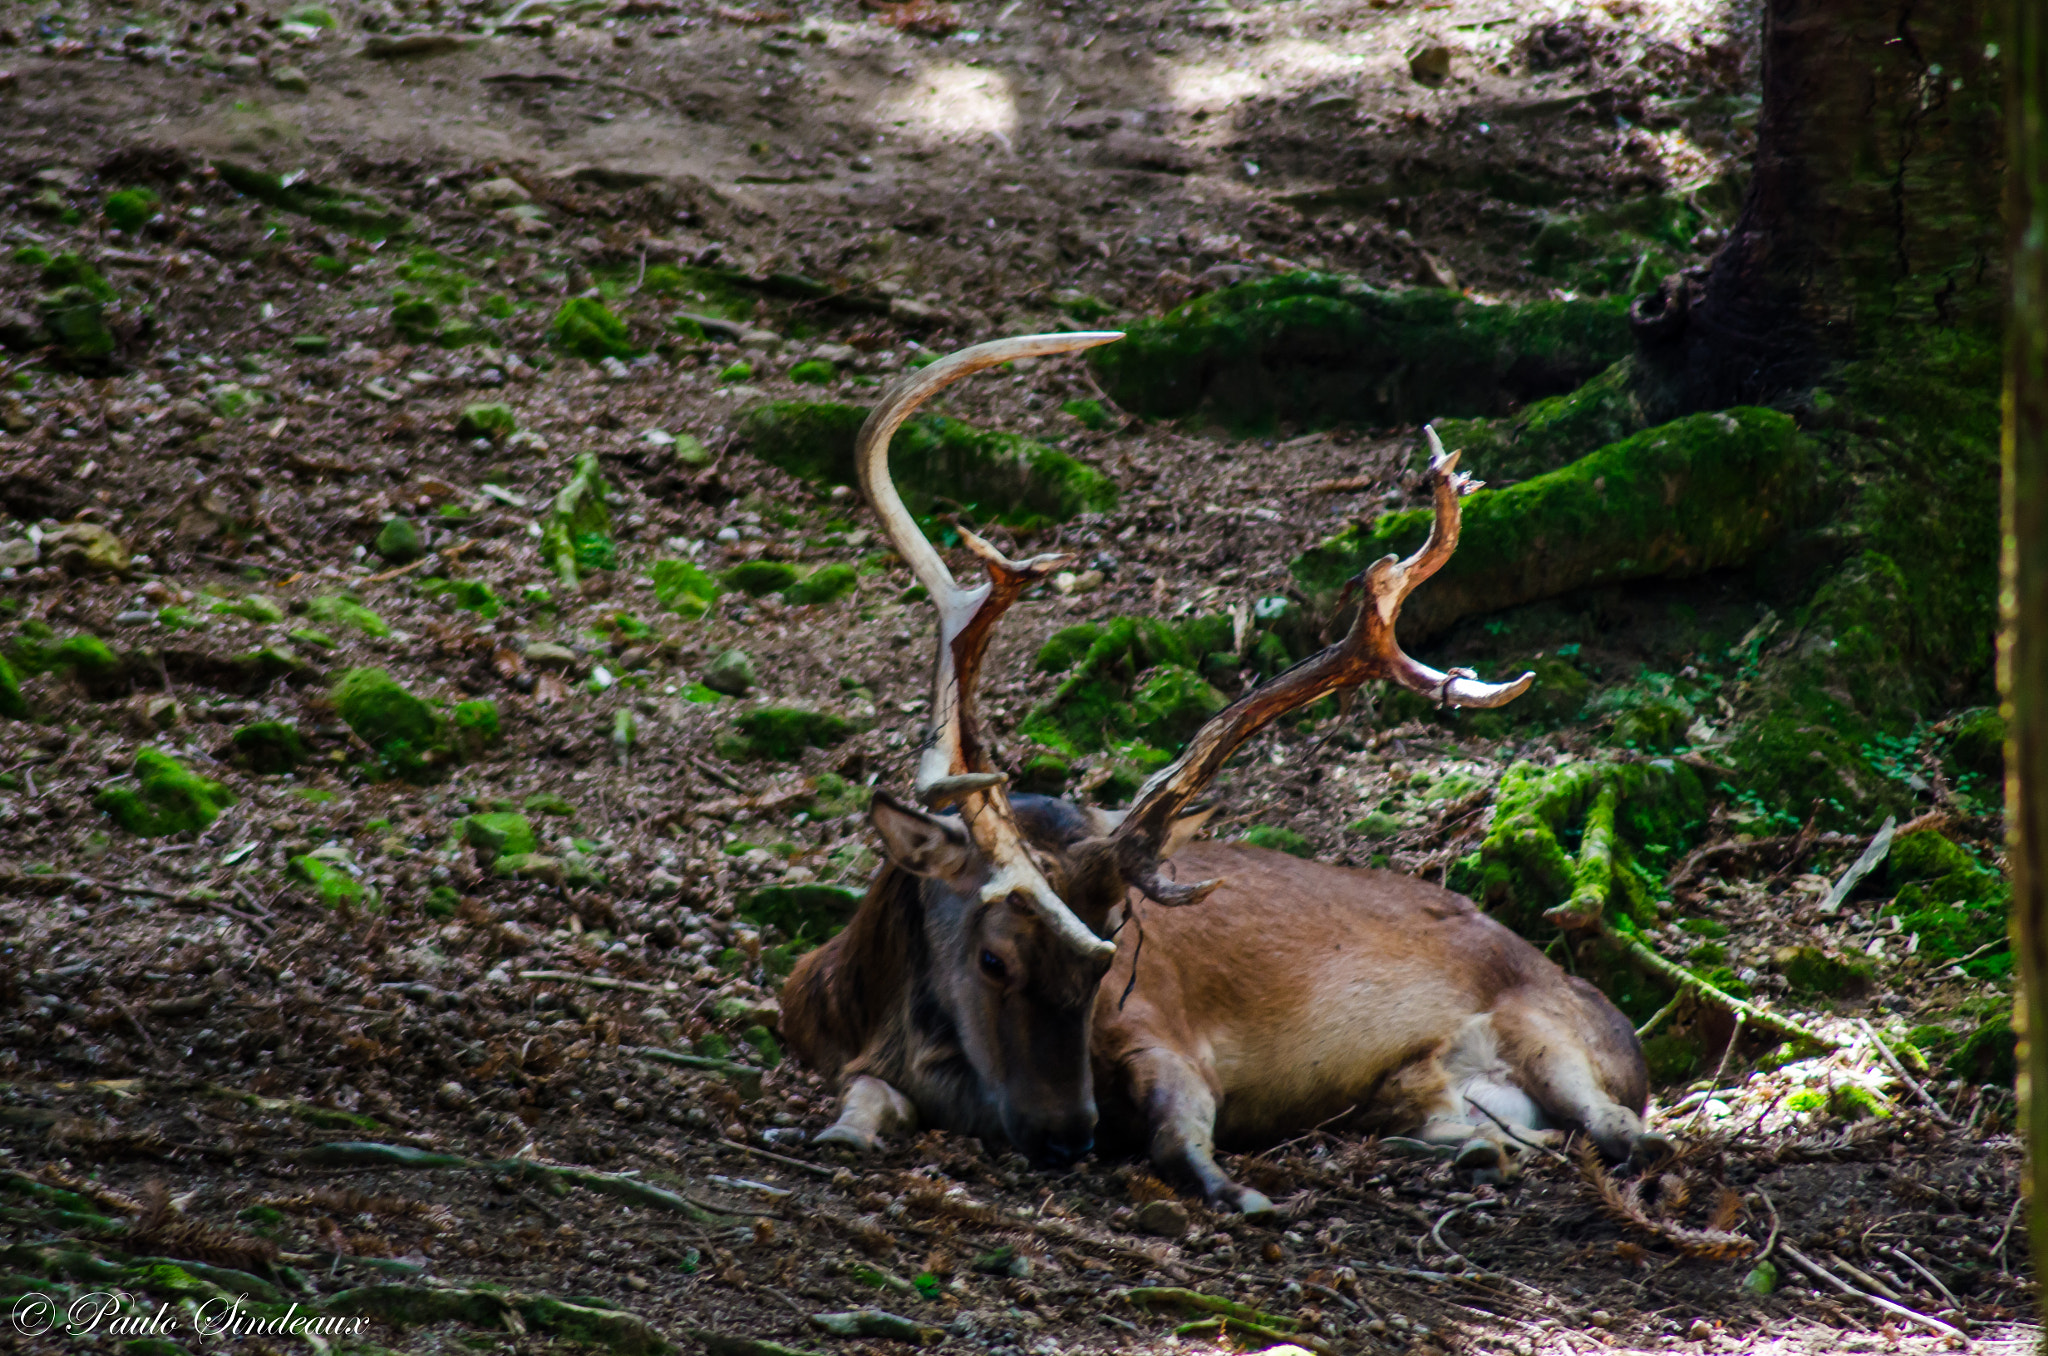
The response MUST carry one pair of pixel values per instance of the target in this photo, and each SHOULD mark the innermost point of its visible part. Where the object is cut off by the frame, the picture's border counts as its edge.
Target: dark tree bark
(2023, 638)
(1872, 211)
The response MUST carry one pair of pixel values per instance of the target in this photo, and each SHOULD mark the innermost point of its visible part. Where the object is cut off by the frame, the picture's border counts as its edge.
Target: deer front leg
(1181, 1109)
(870, 1110)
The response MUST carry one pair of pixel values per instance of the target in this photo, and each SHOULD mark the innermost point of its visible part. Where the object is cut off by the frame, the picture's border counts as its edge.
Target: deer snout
(1059, 1142)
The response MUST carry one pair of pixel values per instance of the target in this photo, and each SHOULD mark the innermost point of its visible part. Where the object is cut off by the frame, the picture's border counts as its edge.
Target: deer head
(1018, 898)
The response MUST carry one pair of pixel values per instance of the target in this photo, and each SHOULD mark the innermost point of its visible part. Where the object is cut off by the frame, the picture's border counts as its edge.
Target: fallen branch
(595, 981)
(1674, 973)
(1821, 1273)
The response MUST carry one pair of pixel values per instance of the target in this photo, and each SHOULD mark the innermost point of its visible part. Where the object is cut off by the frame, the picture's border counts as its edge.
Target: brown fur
(1296, 993)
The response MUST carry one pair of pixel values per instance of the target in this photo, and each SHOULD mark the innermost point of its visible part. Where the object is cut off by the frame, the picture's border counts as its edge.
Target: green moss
(1957, 905)
(345, 609)
(1810, 970)
(1988, 1054)
(1089, 414)
(498, 834)
(491, 420)
(1044, 775)
(1672, 1056)
(70, 269)
(416, 319)
(76, 320)
(257, 607)
(398, 541)
(13, 706)
(756, 578)
(785, 732)
(1977, 742)
(474, 727)
(1623, 250)
(825, 585)
(332, 885)
(1104, 700)
(738, 370)
(1703, 493)
(577, 535)
(406, 732)
(996, 477)
(1649, 716)
(808, 912)
(471, 595)
(684, 588)
(1547, 433)
(130, 209)
(1278, 840)
(90, 660)
(814, 373)
(587, 329)
(270, 747)
(1312, 348)
(164, 798)
(1066, 648)
(351, 210)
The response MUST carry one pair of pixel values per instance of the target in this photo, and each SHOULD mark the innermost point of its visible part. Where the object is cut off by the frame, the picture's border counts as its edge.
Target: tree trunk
(2023, 638)
(1870, 213)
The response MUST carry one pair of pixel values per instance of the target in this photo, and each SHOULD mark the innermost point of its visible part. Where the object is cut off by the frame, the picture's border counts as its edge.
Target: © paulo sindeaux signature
(115, 1313)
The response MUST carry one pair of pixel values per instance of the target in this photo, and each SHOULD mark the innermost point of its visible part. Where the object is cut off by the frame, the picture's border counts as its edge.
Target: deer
(1026, 969)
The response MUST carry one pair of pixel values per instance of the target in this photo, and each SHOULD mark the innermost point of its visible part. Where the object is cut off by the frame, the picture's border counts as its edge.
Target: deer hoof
(846, 1137)
(1478, 1154)
(1254, 1204)
(1650, 1150)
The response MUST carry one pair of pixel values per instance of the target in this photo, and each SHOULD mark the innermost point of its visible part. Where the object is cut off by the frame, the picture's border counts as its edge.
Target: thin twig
(2005, 1234)
(1508, 1130)
(1657, 1017)
(1714, 1085)
(594, 981)
(1436, 1236)
(1821, 1273)
(1770, 1239)
(1904, 1077)
(1901, 1255)
(815, 1169)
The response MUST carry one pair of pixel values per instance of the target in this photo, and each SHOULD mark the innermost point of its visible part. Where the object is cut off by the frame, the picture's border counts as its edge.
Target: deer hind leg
(1180, 1106)
(870, 1110)
(1570, 1075)
(1470, 1104)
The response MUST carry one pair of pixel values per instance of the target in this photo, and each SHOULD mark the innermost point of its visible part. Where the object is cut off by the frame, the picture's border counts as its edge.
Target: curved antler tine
(954, 768)
(1369, 650)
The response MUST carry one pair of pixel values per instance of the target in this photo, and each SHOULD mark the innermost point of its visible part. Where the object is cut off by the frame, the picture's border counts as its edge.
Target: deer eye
(992, 966)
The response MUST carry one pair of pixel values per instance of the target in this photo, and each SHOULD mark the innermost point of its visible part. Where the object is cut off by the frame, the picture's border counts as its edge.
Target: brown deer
(1019, 958)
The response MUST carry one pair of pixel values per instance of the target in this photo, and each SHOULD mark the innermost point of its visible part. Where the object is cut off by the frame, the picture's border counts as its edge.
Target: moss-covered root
(1316, 348)
(577, 536)
(1705, 492)
(166, 797)
(1646, 958)
(1593, 876)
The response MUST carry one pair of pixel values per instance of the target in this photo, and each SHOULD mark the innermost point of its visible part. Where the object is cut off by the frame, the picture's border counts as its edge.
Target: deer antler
(955, 767)
(1368, 651)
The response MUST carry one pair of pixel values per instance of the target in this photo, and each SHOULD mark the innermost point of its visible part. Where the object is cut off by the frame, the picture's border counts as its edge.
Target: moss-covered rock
(398, 541)
(1977, 741)
(685, 589)
(1314, 349)
(407, 733)
(577, 536)
(486, 419)
(76, 320)
(352, 210)
(165, 797)
(345, 609)
(995, 477)
(1044, 775)
(129, 209)
(585, 327)
(1988, 1054)
(784, 732)
(13, 706)
(1957, 905)
(807, 913)
(1810, 970)
(473, 727)
(731, 674)
(1129, 678)
(1620, 250)
(827, 584)
(269, 747)
(757, 578)
(1705, 492)
(1278, 840)
(499, 833)
(89, 660)
(331, 884)
(416, 319)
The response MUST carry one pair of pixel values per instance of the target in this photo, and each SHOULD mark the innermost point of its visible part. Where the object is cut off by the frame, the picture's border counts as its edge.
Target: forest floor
(184, 1023)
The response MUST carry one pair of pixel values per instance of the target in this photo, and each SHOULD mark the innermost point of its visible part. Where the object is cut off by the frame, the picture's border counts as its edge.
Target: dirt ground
(183, 1025)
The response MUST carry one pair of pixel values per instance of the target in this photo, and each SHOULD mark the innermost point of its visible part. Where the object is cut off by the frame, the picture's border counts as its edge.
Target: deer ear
(922, 844)
(1185, 826)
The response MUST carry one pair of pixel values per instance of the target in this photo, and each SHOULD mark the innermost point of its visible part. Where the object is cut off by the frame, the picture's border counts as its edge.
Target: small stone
(18, 553)
(663, 885)
(399, 541)
(732, 674)
(243, 64)
(1162, 1219)
(1068, 584)
(86, 548)
(291, 79)
(760, 339)
(914, 312)
(545, 654)
(486, 419)
(1700, 1330)
(837, 354)
(452, 1095)
(492, 194)
(312, 345)
(1430, 64)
